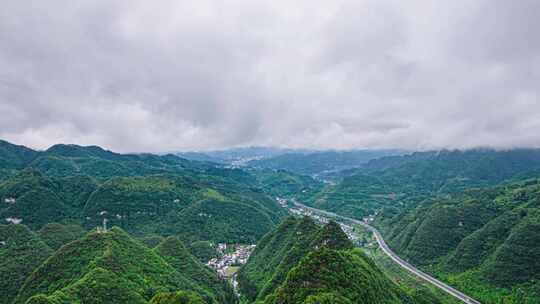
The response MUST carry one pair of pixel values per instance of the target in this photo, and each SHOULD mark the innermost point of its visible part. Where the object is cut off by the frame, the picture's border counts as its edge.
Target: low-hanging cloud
(174, 75)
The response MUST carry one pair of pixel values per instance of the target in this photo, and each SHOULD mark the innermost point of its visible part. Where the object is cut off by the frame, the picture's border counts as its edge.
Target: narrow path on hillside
(404, 264)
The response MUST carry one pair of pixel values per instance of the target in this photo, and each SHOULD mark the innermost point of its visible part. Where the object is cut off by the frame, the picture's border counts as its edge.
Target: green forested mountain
(402, 181)
(56, 235)
(463, 215)
(14, 156)
(21, 250)
(71, 160)
(300, 262)
(37, 199)
(337, 276)
(111, 267)
(276, 253)
(281, 183)
(174, 205)
(470, 217)
(143, 194)
(64, 191)
(485, 241)
(176, 255)
(179, 297)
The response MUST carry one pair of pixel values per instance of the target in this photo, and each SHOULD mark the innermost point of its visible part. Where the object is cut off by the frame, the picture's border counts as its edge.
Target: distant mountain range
(300, 161)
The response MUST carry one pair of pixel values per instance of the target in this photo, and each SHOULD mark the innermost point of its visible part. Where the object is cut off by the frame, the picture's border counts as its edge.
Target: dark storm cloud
(147, 76)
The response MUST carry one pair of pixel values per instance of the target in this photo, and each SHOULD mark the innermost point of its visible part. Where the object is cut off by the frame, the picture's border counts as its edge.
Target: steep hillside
(483, 240)
(36, 199)
(111, 267)
(148, 195)
(281, 183)
(176, 255)
(192, 208)
(301, 262)
(14, 156)
(98, 286)
(56, 235)
(276, 253)
(332, 276)
(181, 297)
(72, 160)
(21, 251)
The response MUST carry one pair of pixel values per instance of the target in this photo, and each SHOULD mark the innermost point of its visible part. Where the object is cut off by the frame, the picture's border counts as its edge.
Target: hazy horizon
(278, 148)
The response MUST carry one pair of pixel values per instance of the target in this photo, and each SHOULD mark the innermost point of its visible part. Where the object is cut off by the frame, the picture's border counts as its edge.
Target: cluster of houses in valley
(230, 258)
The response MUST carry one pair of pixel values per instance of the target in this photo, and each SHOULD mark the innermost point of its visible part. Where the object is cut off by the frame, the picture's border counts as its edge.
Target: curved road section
(382, 244)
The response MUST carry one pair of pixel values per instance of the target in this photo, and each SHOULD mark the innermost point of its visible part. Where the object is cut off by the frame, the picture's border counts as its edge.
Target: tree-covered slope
(14, 156)
(276, 253)
(180, 297)
(301, 262)
(36, 199)
(144, 194)
(192, 208)
(281, 183)
(176, 255)
(21, 251)
(56, 235)
(398, 182)
(98, 286)
(109, 267)
(337, 276)
(485, 240)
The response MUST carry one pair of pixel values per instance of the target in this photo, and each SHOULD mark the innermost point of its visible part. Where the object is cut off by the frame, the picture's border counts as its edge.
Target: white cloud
(143, 76)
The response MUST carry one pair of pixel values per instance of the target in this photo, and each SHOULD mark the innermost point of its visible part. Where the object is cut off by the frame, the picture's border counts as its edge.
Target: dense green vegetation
(203, 250)
(112, 267)
(274, 256)
(180, 297)
(13, 158)
(399, 182)
(430, 212)
(176, 254)
(470, 217)
(56, 235)
(146, 195)
(64, 191)
(280, 183)
(21, 251)
(485, 241)
(343, 276)
(300, 262)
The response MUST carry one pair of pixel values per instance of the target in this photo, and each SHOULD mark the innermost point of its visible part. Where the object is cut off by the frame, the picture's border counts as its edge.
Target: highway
(404, 264)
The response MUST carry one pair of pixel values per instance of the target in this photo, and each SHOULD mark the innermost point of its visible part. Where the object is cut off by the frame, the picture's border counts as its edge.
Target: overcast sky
(179, 75)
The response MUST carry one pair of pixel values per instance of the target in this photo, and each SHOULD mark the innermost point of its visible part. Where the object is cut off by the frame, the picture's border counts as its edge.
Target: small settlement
(231, 257)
